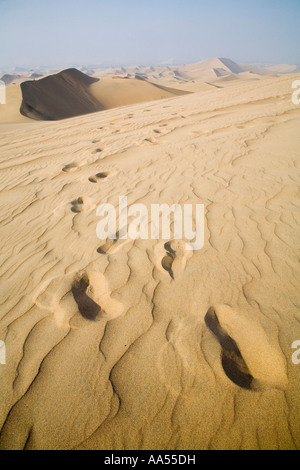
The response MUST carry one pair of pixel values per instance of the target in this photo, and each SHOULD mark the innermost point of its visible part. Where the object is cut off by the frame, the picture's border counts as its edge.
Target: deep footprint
(232, 360)
(98, 177)
(97, 150)
(93, 297)
(70, 167)
(167, 263)
(109, 243)
(175, 253)
(169, 249)
(87, 307)
(80, 204)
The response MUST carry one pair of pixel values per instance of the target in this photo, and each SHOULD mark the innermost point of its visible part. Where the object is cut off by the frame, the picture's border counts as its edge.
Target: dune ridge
(72, 93)
(123, 344)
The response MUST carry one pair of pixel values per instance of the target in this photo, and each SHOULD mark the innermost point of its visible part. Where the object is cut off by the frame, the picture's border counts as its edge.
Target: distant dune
(72, 93)
(284, 68)
(8, 78)
(191, 77)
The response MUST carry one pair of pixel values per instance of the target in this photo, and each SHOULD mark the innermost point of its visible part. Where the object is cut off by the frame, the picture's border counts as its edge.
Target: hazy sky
(142, 32)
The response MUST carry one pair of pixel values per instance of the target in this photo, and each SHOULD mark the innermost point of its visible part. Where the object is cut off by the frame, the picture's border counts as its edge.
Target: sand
(194, 77)
(10, 112)
(123, 344)
(72, 93)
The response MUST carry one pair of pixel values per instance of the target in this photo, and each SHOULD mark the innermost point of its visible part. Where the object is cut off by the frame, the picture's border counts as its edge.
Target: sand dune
(52, 96)
(8, 78)
(112, 93)
(283, 68)
(123, 344)
(72, 93)
(10, 112)
(184, 76)
(59, 96)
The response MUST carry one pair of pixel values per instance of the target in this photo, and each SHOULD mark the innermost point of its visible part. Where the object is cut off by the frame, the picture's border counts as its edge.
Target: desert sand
(141, 344)
(72, 93)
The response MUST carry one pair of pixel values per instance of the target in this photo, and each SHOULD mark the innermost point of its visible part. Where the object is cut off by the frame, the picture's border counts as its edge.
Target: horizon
(60, 67)
(81, 34)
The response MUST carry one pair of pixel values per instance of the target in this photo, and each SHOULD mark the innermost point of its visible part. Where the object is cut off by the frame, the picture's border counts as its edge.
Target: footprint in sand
(114, 244)
(97, 150)
(251, 358)
(93, 297)
(82, 204)
(167, 263)
(174, 261)
(98, 177)
(161, 131)
(73, 166)
(107, 246)
(151, 140)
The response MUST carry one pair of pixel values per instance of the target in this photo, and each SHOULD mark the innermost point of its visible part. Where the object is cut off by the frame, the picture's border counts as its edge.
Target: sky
(67, 33)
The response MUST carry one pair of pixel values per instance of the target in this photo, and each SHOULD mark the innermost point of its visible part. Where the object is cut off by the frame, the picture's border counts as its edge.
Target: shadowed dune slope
(58, 96)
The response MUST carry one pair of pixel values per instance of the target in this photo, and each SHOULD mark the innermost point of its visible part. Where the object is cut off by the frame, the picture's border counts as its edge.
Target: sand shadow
(232, 360)
(87, 307)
